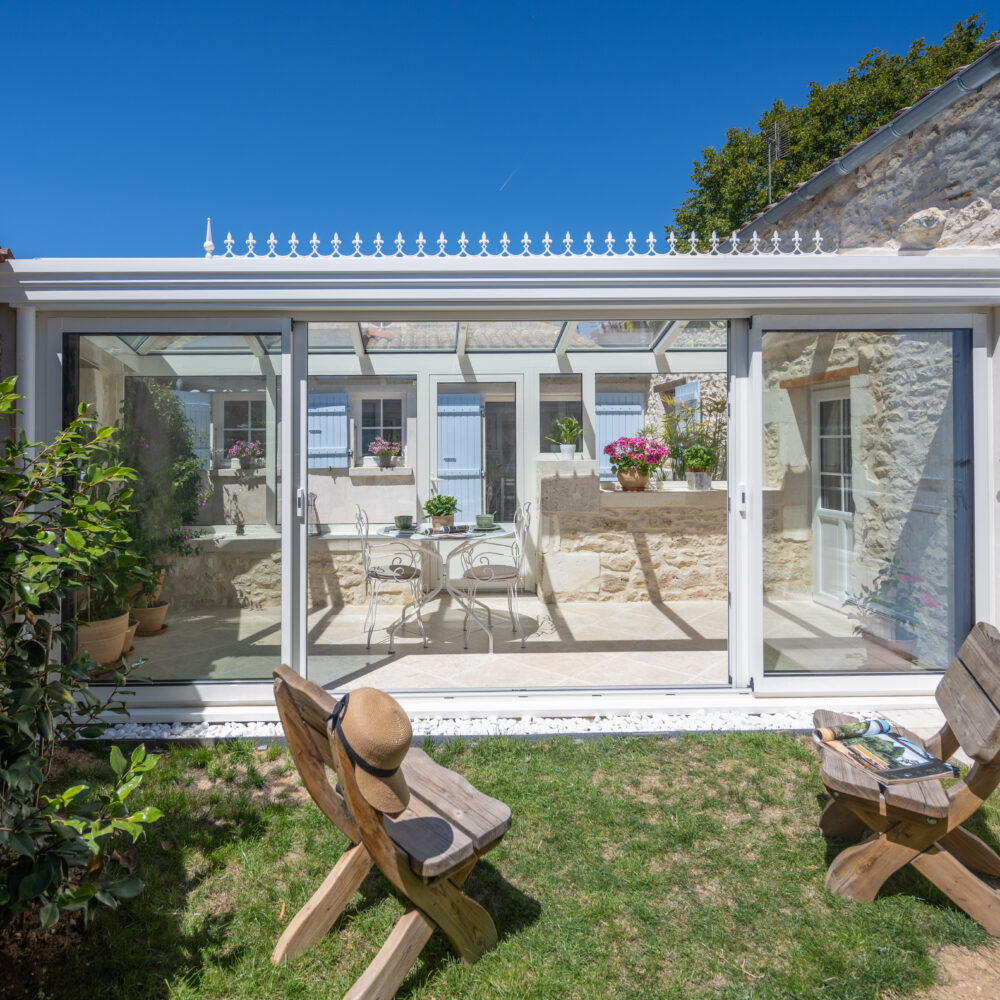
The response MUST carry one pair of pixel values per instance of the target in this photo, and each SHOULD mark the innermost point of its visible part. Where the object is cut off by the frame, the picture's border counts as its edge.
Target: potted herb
(634, 459)
(699, 460)
(441, 510)
(565, 433)
(385, 451)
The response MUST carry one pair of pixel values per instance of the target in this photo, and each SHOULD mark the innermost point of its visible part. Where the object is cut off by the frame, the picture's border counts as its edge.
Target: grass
(634, 869)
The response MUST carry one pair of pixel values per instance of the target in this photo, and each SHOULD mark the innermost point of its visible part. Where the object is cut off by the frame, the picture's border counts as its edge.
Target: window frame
(220, 427)
(358, 399)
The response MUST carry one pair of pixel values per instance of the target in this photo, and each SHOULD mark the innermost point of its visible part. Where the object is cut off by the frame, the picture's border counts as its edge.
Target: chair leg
(971, 851)
(840, 823)
(467, 627)
(395, 958)
(310, 925)
(372, 610)
(961, 887)
(415, 591)
(515, 616)
(860, 871)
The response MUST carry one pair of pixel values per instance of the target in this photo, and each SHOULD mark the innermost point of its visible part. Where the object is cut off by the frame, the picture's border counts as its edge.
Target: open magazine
(884, 754)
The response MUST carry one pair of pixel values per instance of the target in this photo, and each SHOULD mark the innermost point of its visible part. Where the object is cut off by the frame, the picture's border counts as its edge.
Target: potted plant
(699, 460)
(441, 510)
(685, 424)
(565, 433)
(245, 454)
(891, 608)
(634, 459)
(385, 451)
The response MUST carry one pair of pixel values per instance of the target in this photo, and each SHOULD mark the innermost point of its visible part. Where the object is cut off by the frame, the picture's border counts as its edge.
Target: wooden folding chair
(919, 822)
(426, 852)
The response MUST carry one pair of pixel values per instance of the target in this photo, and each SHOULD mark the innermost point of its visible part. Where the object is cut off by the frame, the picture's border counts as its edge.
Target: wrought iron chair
(497, 562)
(388, 562)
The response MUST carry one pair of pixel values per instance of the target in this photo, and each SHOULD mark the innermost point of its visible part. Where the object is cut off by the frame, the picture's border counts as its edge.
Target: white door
(833, 496)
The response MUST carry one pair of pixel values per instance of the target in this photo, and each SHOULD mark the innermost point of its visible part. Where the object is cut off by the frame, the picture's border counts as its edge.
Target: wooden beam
(820, 378)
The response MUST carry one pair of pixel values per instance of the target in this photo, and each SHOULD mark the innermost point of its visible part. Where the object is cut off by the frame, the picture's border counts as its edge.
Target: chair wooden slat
(482, 818)
(432, 842)
(921, 799)
(969, 694)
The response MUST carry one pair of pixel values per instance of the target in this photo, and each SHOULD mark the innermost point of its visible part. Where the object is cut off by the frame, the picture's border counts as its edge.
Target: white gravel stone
(528, 725)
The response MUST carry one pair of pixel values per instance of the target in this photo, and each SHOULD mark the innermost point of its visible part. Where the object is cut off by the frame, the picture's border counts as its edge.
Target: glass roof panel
(409, 336)
(331, 338)
(515, 335)
(613, 334)
(200, 343)
(698, 335)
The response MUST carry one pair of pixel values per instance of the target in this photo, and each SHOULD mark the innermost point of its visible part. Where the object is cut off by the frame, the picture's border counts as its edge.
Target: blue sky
(127, 123)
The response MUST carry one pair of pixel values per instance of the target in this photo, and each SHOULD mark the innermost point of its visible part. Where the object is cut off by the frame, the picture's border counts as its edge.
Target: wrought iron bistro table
(431, 544)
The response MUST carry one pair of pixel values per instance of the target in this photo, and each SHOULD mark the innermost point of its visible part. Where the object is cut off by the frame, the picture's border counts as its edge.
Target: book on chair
(884, 754)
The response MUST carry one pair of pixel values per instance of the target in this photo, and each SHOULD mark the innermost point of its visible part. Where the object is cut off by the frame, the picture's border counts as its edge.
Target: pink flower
(928, 602)
(911, 578)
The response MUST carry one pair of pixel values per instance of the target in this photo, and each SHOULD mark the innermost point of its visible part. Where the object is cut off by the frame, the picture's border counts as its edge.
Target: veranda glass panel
(867, 500)
(205, 447)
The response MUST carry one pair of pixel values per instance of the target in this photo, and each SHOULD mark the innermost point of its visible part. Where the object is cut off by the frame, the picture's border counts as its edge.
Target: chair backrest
(361, 521)
(522, 529)
(969, 694)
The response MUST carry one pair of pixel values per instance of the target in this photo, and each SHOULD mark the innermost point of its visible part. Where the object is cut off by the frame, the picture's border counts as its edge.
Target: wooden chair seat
(920, 822)
(426, 852)
(447, 821)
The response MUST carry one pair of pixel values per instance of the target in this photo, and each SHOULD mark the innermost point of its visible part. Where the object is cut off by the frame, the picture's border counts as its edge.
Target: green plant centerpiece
(566, 433)
(63, 510)
(441, 508)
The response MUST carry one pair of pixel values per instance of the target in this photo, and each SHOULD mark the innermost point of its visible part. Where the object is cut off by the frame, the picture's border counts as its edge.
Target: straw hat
(376, 733)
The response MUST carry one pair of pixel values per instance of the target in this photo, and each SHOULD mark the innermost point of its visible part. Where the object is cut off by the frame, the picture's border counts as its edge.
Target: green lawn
(634, 868)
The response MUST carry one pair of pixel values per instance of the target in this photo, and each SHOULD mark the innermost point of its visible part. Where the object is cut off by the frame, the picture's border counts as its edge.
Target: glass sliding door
(867, 500)
(199, 422)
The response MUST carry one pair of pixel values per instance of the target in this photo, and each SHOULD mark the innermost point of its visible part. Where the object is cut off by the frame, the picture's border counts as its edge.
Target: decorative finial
(209, 245)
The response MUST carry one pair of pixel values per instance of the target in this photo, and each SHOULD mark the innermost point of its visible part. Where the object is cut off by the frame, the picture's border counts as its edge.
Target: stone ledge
(374, 472)
(664, 495)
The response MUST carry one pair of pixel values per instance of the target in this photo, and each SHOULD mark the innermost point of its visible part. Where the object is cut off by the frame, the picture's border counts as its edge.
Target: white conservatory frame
(754, 292)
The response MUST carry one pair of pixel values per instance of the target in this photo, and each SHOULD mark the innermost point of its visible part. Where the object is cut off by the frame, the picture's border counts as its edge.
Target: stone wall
(245, 571)
(605, 545)
(946, 173)
(907, 501)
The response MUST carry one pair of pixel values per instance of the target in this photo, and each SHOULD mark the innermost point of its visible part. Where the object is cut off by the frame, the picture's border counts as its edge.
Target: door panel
(460, 451)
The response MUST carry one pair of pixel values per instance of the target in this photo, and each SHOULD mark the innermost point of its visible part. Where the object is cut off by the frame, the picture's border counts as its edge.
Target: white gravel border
(527, 725)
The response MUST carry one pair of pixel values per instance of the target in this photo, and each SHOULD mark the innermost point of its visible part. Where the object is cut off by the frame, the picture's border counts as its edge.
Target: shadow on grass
(147, 945)
(511, 910)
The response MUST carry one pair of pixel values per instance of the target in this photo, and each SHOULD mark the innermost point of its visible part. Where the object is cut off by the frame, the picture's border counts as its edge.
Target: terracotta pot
(130, 636)
(902, 652)
(632, 480)
(151, 619)
(136, 589)
(104, 640)
(443, 520)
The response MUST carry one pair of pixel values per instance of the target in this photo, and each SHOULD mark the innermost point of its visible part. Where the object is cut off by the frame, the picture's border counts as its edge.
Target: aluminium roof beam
(668, 333)
(563, 339)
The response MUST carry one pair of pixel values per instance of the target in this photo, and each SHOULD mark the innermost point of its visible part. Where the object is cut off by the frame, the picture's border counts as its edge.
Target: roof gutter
(966, 81)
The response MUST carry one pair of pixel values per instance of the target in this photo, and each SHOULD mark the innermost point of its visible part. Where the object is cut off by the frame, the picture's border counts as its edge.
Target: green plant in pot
(699, 461)
(566, 433)
(441, 508)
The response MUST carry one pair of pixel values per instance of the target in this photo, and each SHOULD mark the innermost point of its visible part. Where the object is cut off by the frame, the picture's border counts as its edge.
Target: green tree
(731, 182)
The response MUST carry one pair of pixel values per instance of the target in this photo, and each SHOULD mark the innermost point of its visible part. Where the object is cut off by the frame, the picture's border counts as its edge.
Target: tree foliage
(62, 510)
(731, 182)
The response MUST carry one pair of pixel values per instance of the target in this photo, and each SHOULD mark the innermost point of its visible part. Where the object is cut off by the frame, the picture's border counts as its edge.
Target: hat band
(334, 721)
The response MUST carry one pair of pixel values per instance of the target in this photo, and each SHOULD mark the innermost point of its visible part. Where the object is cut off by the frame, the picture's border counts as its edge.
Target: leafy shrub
(62, 511)
(440, 505)
(565, 431)
(699, 458)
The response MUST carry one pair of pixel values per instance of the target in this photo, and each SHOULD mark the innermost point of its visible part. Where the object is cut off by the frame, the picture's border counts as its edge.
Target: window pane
(830, 451)
(235, 413)
(392, 413)
(876, 560)
(257, 414)
(370, 412)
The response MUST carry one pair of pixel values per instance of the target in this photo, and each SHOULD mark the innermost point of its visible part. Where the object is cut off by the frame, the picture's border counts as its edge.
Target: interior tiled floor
(568, 645)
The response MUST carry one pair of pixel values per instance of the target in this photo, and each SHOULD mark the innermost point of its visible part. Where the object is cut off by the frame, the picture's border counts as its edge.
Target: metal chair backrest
(522, 528)
(361, 521)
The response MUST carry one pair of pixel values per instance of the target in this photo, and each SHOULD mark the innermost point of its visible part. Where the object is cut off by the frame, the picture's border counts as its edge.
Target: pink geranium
(640, 452)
